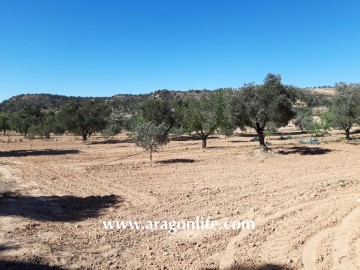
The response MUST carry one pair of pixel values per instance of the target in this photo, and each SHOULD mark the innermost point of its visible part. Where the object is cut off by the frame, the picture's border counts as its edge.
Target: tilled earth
(304, 200)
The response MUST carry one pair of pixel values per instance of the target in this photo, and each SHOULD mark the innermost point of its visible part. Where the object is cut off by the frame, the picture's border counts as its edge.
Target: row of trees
(262, 107)
(31, 121)
(343, 113)
(81, 119)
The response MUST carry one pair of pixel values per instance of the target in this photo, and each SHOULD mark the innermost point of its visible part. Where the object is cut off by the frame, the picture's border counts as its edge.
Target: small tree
(345, 108)
(112, 129)
(204, 116)
(150, 136)
(257, 105)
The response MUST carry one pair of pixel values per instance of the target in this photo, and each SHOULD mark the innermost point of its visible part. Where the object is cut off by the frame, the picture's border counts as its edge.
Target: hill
(124, 102)
(130, 103)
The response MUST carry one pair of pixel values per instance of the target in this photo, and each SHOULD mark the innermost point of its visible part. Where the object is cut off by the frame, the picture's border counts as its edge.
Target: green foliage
(33, 131)
(204, 116)
(304, 120)
(23, 120)
(40, 101)
(312, 99)
(159, 110)
(323, 126)
(151, 136)
(4, 123)
(345, 108)
(84, 119)
(33, 123)
(132, 122)
(223, 111)
(270, 129)
(112, 129)
(257, 105)
(48, 125)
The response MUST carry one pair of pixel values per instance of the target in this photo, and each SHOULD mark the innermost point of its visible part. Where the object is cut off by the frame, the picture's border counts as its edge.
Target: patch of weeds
(344, 183)
(6, 163)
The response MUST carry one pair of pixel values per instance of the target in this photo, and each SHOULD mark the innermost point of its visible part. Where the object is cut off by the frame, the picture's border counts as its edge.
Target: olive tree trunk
(84, 136)
(203, 143)
(260, 132)
(347, 132)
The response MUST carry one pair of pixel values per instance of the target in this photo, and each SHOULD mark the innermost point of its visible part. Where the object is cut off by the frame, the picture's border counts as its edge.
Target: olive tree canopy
(346, 107)
(256, 106)
(84, 118)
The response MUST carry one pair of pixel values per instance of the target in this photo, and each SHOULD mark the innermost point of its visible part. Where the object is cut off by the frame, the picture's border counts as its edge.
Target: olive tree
(4, 123)
(159, 110)
(206, 115)
(112, 129)
(84, 118)
(151, 136)
(21, 121)
(304, 120)
(257, 105)
(346, 107)
(48, 124)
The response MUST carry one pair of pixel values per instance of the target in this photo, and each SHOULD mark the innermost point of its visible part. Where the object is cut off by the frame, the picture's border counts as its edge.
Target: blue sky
(102, 48)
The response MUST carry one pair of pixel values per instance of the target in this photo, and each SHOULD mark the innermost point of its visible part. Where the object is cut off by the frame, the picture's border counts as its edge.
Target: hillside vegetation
(260, 107)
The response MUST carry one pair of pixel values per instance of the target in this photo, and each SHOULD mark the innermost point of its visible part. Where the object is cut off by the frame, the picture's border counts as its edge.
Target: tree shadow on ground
(239, 141)
(46, 152)
(302, 150)
(259, 267)
(217, 147)
(183, 138)
(245, 135)
(176, 160)
(290, 133)
(14, 265)
(56, 208)
(112, 141)
(3, 248)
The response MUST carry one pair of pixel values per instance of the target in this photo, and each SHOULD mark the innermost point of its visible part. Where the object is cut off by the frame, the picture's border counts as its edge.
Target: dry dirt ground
(304, 200)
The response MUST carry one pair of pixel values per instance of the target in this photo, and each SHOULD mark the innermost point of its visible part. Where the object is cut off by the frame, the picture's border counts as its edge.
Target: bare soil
(304, 200)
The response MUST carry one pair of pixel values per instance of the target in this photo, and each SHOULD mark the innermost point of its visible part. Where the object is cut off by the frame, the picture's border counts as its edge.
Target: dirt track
(304, 200)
